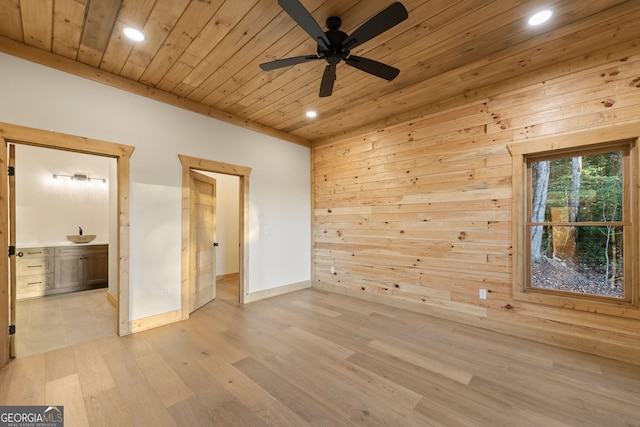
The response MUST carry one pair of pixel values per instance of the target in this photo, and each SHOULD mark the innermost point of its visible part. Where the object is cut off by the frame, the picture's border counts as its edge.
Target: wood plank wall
(418, 215)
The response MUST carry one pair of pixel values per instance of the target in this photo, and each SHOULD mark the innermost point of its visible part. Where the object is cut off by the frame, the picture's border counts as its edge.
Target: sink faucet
(80, 231)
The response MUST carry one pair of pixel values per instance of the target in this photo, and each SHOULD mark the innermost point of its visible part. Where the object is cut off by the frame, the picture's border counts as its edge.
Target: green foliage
(600, 194)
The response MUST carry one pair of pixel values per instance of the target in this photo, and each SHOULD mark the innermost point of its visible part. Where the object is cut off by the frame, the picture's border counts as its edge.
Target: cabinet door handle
(34, 283)
(34, 266)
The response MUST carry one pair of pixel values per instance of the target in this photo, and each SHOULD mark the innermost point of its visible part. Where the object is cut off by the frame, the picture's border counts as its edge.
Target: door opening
(189, 165)
(63, 292)
(34, 137)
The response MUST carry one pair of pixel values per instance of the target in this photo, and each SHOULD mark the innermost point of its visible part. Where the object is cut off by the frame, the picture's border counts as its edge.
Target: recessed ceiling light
(311, 114)
(133, 34)
(540, 17)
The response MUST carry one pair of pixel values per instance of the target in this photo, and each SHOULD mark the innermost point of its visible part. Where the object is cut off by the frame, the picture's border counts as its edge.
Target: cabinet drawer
(34, 265)
(34, 285)
(34, 252)
(81, 250)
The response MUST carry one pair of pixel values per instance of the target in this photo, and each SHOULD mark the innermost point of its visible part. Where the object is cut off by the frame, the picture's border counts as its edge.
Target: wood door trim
(47, 139)
(12, 242)
(242, 172)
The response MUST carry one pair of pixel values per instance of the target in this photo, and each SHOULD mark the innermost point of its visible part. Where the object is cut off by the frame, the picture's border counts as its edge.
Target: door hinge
(12, 250)
(12, 171)
(12, 329)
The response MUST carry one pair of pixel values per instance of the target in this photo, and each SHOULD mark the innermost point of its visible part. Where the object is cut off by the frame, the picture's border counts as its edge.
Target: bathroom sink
(81, 238)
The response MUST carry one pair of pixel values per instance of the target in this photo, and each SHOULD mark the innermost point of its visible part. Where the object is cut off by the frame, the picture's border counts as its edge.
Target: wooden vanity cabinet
(80, 267)
(34, 272)
(54, 270)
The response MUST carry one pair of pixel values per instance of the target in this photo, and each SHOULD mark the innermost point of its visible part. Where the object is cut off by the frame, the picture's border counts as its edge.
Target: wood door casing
(202, 228)
(12, 242)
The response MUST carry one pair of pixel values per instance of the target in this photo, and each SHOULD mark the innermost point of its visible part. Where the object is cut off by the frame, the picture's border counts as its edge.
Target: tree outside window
(578, 224)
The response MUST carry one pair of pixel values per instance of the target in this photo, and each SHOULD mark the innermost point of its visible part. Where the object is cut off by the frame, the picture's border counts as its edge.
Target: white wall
(48, 209)
(279, 249)
(227, 223)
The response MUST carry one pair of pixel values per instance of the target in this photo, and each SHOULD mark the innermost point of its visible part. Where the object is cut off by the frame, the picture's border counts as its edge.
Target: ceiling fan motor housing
(335, 52)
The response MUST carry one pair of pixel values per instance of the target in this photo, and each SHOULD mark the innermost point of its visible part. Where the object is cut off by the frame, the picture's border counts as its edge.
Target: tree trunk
(614, 260)
(539, 205)
(576, 179)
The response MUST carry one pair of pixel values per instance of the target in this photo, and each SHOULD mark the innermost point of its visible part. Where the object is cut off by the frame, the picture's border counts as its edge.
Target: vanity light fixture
(79, 177)
(540, 17)
(133, 34)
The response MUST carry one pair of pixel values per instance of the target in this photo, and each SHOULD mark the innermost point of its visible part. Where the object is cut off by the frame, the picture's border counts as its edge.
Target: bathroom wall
(48, 209)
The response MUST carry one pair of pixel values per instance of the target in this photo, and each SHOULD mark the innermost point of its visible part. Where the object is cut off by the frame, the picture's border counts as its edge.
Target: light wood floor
(312, 358)
(56, 321)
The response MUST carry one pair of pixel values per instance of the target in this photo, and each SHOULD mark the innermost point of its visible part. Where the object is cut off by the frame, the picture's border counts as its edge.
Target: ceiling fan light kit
(335, 46)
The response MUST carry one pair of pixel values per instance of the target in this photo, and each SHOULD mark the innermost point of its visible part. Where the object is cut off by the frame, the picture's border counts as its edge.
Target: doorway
(62, 288)
(22, 135)
(189, 165)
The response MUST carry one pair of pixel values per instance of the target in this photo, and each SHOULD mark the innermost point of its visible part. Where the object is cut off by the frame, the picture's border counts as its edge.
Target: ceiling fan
(335, 46)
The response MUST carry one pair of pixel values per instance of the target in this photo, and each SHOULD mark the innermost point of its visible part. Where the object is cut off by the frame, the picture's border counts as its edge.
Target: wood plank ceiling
(204, 54)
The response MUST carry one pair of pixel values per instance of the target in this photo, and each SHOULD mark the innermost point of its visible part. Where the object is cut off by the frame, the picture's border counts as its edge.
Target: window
(575, 215)
(578, 223)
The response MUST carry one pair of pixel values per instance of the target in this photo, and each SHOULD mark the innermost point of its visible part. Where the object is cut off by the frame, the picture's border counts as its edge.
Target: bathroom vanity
(51, 270)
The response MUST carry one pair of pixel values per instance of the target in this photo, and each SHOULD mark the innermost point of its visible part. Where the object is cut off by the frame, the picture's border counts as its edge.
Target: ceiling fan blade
(370, 66)
(388, 18)
(286, 62)
(328, 79)
(304, 19)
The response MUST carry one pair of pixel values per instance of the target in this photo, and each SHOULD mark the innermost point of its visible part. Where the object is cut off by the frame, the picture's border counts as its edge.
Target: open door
(12, 244)
(202, 229)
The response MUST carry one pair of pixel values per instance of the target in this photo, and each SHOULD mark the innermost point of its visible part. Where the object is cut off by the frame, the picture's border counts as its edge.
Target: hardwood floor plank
(107, 409)
(67, 392)
(59, 363)
(305, 405)
(190, 412)
(318, 344)
(92, 370)
(317, 309)
(236, 383)
(437, 390)
(527, 401)
(418, 360)
(236, 414)
(221, 346)
(278, 414)
(185, 360)
(359, 395)
(27, 382)
(5, 381)
(141, 401)
(164, 380)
